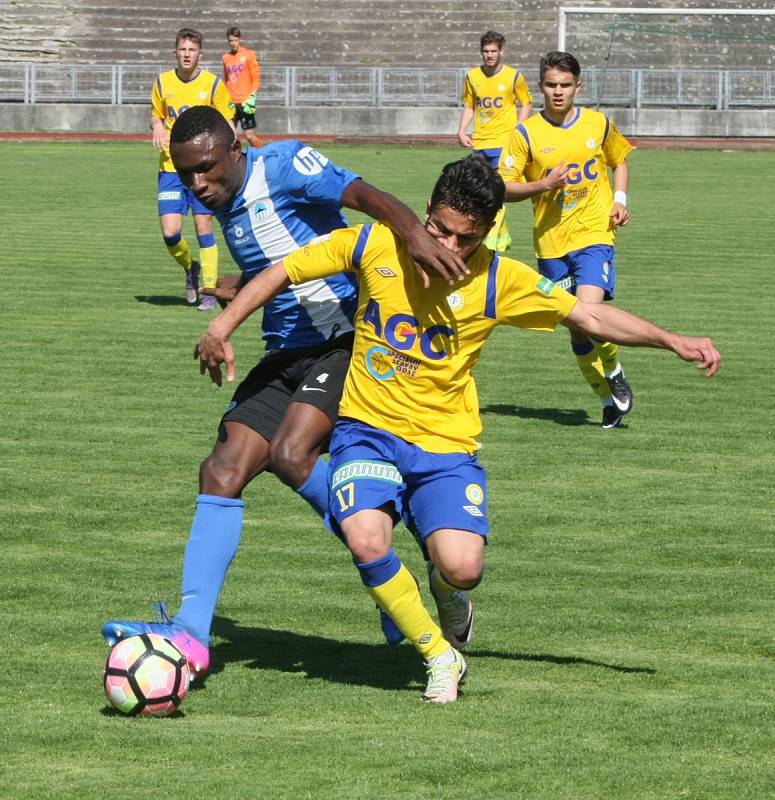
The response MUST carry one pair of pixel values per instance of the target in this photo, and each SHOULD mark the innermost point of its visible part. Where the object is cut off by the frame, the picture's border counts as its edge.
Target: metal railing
(121, 84)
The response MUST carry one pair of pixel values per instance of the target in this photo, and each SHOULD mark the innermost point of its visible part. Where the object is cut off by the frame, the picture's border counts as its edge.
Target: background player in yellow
(173, 92)
(560, 158)
(404, 445)
(491, 93)
(242, 74)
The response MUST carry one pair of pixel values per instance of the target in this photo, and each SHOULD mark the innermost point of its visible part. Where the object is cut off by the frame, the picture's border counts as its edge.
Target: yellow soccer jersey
(494, 101)
(578, 214)
(171, 96)
(415, 348)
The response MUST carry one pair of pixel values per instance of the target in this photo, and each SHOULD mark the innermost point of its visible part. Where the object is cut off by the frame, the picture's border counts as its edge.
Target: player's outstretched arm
(613, 324)
(465, 120)
(214, 346)
(426, 253)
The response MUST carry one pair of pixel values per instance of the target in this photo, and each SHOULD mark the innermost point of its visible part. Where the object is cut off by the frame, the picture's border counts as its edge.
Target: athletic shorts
(590, 266)
(241, 117)
(491, 154)
(174, 198)
(370, 467)
(311, 375)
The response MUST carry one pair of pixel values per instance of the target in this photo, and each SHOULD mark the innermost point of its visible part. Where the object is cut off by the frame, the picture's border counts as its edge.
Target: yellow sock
(440, 584)
(181, 252)
(400, 599)
(591, 367)
(609, 355)
(208, 258)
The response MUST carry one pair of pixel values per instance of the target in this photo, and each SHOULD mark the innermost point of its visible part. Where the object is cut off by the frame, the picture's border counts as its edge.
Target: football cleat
(192, 283)
(209, 303)
(446, 674)
(456, 613)
(196, 653)
(612, 417)
(621, 393)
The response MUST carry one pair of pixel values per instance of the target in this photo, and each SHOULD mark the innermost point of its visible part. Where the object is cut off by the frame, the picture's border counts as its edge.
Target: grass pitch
(623, 644)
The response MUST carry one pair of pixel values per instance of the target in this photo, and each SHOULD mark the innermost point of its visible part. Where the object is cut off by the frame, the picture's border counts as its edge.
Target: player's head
(207, 155)
(188, 48)
(559, 82)
(463, 205)
(491, 48)
(234, 35)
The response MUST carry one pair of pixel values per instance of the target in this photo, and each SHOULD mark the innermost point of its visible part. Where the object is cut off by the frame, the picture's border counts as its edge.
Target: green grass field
(624, 638)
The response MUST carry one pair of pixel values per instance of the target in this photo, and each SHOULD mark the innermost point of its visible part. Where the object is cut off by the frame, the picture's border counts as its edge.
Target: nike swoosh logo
(311, 389)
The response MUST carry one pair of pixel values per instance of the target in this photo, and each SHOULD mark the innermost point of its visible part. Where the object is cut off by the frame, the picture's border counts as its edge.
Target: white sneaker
(446, 674)
(456, 614)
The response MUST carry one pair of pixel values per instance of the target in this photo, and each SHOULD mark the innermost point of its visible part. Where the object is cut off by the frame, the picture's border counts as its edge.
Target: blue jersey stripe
(492, 271)
(521, 129)
(360, 245)
(607, 128)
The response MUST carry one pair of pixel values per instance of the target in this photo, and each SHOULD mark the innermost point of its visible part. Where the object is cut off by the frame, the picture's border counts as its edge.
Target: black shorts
(248, 121)
(312, 375)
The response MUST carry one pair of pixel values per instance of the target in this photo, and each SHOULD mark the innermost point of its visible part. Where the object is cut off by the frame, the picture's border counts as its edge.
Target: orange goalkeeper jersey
(241, 73)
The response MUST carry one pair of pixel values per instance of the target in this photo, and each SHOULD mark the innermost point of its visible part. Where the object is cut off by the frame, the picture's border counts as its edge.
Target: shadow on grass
(353, 663)
(571, 417)
(161, 300)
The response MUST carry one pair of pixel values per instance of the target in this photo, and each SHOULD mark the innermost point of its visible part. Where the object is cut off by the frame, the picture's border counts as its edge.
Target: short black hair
(492, 37)
(557, 59)
(197, 120)
(472, 187)
(234, 31)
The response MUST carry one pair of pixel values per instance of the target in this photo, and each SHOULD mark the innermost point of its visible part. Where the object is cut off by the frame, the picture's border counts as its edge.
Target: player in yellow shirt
(491, 93)
(173, 92)
(560, 159)
(404, 446)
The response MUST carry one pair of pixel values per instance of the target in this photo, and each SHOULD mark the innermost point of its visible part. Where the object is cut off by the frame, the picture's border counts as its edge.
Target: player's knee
(464, 571)
(366, 545)
(221, 477)
(291, 462)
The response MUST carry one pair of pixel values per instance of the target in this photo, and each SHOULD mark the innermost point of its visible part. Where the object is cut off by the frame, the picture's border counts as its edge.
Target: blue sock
(315, 489)
(214, 539)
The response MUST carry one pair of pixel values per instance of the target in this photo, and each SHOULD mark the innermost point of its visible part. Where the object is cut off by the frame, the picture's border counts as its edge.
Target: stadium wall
(385, 122)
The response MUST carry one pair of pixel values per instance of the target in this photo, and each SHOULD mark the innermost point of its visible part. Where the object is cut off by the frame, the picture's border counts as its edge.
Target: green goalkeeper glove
(249, 106)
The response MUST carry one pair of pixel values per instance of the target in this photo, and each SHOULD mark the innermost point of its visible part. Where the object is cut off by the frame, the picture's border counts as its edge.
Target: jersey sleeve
(309, 177)
(525, 299)
(521, 92)
(615, 147)
(331, 254)
(469, 95)
(221, 99)
(254, 69)
(157, 101)
(515, 155)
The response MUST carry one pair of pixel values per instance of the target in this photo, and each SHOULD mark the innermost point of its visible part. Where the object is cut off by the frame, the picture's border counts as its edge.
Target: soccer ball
(146, 675)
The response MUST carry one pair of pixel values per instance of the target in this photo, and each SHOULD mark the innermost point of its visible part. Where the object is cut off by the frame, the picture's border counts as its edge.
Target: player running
(560, 158)
(405, 444)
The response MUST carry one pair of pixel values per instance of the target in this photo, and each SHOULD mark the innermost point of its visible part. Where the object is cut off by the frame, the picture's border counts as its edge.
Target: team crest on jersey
(501, 87)
(260, 210)
(509, 161)
(591, 144)
(547, 150)
(202, 95)
(475, 494)
(385, 272)
(455, 301)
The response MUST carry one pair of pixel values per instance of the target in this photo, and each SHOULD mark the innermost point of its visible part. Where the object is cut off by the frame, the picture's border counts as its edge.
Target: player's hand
(699, 350)
(161, 139)
(557, 178)
(429, 255)
(249, 105)
(465, 140)
(225, 290)
(619, 215)
(212, 350)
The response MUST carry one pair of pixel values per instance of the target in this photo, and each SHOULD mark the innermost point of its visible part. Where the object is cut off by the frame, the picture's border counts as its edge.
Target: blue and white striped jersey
(291, 194)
